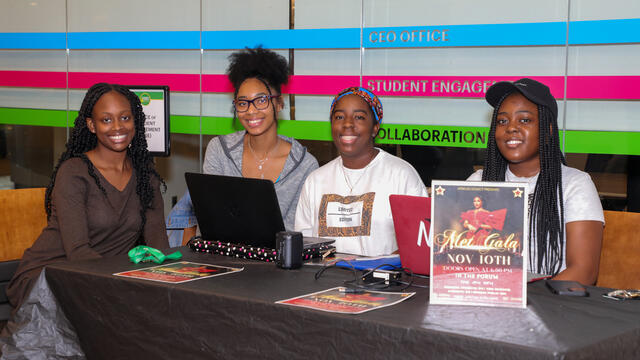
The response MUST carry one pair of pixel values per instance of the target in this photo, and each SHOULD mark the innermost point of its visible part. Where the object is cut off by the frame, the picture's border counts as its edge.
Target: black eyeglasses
(260, 103)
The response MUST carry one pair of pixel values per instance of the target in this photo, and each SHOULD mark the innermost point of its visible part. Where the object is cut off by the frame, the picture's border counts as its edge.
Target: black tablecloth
(234, 316)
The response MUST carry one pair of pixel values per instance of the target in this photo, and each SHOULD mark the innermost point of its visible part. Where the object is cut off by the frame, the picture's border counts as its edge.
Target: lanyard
(143, 253)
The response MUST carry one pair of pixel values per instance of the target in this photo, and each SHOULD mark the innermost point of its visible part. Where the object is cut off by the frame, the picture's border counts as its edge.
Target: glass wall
(430, 61)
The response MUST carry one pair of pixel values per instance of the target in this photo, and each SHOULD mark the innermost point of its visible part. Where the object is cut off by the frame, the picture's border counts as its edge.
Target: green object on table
(143, 253)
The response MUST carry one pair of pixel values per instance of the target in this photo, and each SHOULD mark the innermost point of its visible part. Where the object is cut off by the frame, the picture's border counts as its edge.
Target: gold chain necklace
(260, 162)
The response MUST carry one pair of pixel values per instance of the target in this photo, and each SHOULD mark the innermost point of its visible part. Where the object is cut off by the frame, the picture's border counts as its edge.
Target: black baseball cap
(537, 92)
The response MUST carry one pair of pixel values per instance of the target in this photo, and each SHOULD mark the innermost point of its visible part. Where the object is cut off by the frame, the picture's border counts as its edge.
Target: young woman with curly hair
(257, 76)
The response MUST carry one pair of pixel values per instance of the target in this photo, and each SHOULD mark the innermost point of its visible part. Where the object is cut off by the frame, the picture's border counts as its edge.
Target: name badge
(345, 216)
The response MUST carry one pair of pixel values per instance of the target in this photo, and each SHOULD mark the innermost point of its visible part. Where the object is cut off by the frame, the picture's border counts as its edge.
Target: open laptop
(412, 222)
(239, 210)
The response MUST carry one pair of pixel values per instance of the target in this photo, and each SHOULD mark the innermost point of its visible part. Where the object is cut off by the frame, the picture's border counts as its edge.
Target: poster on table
(178, 272)
(155, 104)
(479, 235)
(343, 301)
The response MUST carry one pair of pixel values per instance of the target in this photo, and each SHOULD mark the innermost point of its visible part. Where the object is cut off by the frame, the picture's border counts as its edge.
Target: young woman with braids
(565, 214)
(257, 75)
(104, 195)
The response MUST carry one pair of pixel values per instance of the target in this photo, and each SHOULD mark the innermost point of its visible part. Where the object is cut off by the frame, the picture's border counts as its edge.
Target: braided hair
(83, 140)
(546, 223)
(268, 67)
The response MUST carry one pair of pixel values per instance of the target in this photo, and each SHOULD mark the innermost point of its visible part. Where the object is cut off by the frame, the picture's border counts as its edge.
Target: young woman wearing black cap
(565, 214)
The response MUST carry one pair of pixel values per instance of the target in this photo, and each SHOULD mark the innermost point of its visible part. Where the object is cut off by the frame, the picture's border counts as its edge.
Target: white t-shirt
(352, 206)
(581, 201)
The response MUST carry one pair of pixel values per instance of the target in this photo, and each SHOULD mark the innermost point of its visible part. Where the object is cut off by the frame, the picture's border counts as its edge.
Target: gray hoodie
(224, 157)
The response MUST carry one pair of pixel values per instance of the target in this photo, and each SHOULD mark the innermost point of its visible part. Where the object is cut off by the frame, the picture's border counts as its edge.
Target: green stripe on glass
(593, 142)
(35, 117)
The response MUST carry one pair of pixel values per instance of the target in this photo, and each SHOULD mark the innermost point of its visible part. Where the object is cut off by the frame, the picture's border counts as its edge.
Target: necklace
(348, 180)
(260, 162)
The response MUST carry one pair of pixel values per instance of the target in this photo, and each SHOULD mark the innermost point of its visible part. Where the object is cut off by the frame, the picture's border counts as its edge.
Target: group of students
(104, 196)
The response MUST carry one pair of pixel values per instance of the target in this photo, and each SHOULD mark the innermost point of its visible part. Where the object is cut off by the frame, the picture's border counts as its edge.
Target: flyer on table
(338, 300)
(179, 272)
(479, 235)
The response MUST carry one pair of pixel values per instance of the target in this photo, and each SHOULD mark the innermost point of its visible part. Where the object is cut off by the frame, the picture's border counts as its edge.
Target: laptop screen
(235, 209)
(412, 222)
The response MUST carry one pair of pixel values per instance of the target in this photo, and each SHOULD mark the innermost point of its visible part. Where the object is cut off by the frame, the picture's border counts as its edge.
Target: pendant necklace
(347, 179)
(260, 162)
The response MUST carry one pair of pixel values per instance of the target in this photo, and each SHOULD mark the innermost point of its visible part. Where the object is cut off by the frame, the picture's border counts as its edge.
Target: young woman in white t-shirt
(565, 214)
(348, 198)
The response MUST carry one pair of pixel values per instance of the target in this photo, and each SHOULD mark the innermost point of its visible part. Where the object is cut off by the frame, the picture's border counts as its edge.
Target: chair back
(620, 255)
(22, 218)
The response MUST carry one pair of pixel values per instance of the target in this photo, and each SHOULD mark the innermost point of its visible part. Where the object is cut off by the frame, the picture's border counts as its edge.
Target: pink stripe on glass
(35, 79)
(603, 87)
(176, 82)
(579, 87)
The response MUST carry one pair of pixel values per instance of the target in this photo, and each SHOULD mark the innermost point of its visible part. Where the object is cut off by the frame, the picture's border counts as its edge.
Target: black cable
(415, 285)
(357, 285)
(422, 276)
(333, 265)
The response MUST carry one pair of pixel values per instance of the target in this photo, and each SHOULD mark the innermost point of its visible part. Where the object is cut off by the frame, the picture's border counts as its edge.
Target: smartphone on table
(566, 287)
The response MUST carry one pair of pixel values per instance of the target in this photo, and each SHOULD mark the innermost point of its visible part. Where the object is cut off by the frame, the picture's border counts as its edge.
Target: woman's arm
(584, 240)
(69, 199)
(467, 225)
(155, 233)
(486, 227)
(295, 182)
(304, 211)
(187, 234)
(215, 159)
(183, 217)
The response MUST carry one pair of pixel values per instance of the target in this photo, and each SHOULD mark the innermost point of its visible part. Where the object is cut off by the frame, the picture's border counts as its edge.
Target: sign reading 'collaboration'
(423, 134)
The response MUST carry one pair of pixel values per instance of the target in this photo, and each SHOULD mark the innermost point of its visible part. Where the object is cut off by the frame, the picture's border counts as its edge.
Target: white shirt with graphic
(581, 202)
(352, 206)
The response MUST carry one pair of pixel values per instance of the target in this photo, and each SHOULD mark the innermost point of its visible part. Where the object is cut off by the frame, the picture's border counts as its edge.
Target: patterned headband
(368, 96)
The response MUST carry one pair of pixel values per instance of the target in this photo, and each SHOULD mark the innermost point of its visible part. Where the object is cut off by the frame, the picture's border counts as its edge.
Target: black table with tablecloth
(235, 317)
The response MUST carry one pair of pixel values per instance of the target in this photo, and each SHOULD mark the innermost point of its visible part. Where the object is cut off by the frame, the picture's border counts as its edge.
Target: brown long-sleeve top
(86, 224)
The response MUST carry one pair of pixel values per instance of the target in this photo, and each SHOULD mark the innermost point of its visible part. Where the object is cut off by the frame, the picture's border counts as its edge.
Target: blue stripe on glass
(135, 40)
(604, 31)
(346, 38)
(550, 33)
(32, 41)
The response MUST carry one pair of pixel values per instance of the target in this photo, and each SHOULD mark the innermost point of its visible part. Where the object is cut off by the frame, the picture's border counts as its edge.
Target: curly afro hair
(265, 65)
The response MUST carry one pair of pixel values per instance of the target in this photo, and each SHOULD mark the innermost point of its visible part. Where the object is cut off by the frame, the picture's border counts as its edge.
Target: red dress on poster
(479, 223)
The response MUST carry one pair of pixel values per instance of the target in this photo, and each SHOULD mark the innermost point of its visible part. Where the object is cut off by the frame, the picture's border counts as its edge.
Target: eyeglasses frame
(251, 102)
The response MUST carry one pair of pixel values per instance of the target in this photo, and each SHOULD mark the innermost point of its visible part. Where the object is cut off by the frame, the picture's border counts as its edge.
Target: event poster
(178, 272)
(479, 236)
(340, 300)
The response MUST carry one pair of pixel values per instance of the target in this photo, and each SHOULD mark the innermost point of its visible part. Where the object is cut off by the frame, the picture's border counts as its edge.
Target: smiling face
(353, 129)
(517, 134)
(112, 121)
(477, 202)
(257, 122)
